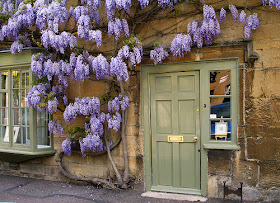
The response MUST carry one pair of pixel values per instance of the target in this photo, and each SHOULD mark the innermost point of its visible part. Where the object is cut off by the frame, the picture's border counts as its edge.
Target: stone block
(269, 174)
(136, 165)
(132, 130)
(36, 169)
(50, 161)
(219, 162)
(261, 148)
(134, 145)
(88, 171)
(131, 114)
(240, 154)
(212, 186)
(246, 172)
(101, 160)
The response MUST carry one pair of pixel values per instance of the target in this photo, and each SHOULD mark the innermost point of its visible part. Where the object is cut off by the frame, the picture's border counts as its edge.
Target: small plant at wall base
(66, 57)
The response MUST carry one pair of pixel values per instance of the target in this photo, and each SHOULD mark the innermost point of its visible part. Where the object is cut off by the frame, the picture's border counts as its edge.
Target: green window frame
(24, 131)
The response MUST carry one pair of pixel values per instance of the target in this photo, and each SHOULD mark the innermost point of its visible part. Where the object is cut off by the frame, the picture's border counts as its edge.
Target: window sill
(221, 146)
(18, 156)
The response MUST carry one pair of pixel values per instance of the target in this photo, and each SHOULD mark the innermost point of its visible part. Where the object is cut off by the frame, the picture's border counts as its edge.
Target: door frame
(145, 72)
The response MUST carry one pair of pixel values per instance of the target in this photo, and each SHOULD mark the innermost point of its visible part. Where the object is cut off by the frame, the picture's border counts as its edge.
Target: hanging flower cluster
(36, 93)
(223, 15)
(111, 6)
(234, 12)
(272, 3)
(99, 66)
(144, 3)
(50, 15)
(252, 23)
(24, 17)
(66, 147)
(180, 44)
(117, 27)
(58, 42)
(90, 142)
(6, 7)
(158, 55)
(54, 127)
(78, 11)
(86, 106)
(20, 43)
(166, 3)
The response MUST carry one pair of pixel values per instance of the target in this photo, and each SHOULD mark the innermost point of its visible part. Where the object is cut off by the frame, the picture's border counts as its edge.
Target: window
(23, 130)
(221, 105)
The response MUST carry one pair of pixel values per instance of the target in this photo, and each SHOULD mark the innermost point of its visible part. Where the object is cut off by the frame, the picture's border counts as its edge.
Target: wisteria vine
(40, 23)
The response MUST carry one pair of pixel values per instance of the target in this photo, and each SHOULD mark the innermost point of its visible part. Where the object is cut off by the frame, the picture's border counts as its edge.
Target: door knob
(195, 139)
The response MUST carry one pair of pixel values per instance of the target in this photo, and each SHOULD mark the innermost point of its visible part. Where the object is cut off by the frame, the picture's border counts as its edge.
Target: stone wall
(256, 164)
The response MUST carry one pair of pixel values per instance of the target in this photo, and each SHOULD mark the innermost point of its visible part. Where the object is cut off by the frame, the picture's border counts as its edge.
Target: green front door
(175, 132)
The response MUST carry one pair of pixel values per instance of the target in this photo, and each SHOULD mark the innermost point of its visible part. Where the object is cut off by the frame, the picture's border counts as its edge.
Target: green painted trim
(221, 146)
(204, 66)
(162, 188)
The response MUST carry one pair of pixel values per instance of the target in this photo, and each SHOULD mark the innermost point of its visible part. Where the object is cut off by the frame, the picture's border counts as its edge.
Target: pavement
(27, 190)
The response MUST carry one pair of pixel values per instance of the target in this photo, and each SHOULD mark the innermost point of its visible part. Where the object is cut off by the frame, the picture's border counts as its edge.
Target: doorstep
(171, 196)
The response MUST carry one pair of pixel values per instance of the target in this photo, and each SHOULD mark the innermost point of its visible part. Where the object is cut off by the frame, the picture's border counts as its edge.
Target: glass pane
(3, 80)
(220, 107)
(24, 79)
(221, 130)
(16, 116)
(15, 98)
(21, 135)
(24, 116)
(3, 99)
(16, 79)
(42, 119)
(43, 140)
(4, 116)
(220, 82)
(23, 100)
(5, 133)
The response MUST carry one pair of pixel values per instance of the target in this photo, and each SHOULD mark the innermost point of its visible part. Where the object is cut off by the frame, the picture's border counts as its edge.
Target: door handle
(195, 139)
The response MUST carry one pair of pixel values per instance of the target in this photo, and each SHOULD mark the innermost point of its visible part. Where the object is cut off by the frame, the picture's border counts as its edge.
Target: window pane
(3, 80)
(43, 139)
(3, 99)
(4, 133)
(15, 98)
(220, 130)
(23, 100)
(24, 116)
(220, 82)
(16, 79)
(16, 116)
(220, 107)
(24, 79)
(21, 135)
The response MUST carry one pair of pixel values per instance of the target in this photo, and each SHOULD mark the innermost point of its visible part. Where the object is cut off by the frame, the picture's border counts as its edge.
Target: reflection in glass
(3, 80)
(221, 130)
(220, 82)
(16, 79)
(43, 139)
(220, 107)
(15, 98)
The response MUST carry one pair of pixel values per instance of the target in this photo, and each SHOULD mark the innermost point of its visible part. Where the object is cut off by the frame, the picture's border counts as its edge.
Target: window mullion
(10, 97)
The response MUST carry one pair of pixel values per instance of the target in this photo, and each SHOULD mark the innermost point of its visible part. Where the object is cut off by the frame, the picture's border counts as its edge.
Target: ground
(27, 190)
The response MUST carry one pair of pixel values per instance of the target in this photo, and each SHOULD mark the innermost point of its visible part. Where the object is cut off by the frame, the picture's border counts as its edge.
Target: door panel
(174, 112)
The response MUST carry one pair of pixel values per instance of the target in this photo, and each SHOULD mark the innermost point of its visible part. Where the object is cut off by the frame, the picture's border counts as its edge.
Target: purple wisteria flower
(91, 142)
(234, 12)
(242, 16)
(118, 68)
(100, 66)
(158, 55)
(117, 27)
(52, 105)
(36, 93)
(66, 147)
(223, 15)
(144, 3)
(119, 102)
(272, 3)
(252, 23)
(114, 122)
(180, 44)
(86, 106)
